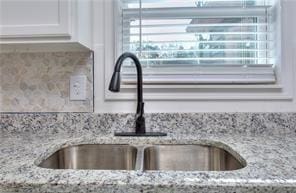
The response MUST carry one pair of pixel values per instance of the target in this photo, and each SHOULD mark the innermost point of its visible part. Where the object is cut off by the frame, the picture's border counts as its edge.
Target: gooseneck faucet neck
(115, 87)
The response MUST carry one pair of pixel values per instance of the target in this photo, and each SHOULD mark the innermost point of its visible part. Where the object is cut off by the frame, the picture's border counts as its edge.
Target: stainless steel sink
(189, 158)
(96, 157)
(144, 158)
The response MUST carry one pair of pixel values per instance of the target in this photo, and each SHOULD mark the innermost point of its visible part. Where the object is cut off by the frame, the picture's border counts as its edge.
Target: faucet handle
(140, 119)
(140, 109)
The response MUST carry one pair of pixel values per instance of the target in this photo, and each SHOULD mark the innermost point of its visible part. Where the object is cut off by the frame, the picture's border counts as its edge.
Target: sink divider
(140, 158)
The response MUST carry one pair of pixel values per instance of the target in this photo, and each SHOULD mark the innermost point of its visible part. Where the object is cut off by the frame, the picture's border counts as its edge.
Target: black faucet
(115, 87)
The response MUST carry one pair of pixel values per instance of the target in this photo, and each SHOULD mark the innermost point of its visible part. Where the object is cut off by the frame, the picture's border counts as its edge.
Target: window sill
(202, 93)
(205, 86)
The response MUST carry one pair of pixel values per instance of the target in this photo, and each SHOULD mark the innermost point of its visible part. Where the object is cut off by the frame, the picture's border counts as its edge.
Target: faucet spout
(115, 87)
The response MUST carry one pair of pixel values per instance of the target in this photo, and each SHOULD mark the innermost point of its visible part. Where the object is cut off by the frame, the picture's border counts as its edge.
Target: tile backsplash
(39, 82)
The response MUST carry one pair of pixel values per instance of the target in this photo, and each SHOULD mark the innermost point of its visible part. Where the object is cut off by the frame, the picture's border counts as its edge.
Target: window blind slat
(202, 50)
(201, 25)
(204, 80)
(174, 45)
(192, 12)
(201, 33)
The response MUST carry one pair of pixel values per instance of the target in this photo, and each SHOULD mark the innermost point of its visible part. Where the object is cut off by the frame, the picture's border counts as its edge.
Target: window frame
(282, 90)
(233, 73)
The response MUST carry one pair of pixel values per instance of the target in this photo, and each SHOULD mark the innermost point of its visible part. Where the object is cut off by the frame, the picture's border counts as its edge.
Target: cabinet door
(35, 18)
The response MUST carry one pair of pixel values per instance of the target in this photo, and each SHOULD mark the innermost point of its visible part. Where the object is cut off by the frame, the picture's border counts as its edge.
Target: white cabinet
(46, 21)
(33, 18)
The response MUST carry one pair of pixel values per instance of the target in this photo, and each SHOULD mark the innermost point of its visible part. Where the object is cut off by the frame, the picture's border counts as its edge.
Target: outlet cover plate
(78, 88)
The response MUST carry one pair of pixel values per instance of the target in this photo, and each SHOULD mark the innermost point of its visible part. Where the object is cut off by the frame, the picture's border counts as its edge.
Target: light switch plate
(78, 88)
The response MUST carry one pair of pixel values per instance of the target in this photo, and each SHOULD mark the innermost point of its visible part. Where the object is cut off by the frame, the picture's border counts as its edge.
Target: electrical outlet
(78, 88)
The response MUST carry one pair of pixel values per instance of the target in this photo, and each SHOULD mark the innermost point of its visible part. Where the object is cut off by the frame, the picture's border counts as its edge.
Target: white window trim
(282, 100)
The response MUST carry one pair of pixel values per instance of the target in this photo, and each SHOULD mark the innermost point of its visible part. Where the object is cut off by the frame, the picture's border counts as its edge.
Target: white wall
(284, 102)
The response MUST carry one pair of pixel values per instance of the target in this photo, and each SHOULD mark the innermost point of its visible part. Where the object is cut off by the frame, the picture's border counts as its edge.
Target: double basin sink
(144, 158)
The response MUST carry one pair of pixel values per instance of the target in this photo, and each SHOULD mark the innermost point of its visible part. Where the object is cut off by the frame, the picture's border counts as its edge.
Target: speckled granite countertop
(271, 163)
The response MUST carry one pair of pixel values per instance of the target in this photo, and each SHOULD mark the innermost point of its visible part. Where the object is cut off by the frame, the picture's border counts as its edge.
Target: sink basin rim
(140, 151)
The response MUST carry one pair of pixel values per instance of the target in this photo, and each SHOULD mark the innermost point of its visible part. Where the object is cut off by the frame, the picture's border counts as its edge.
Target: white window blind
(199, 41)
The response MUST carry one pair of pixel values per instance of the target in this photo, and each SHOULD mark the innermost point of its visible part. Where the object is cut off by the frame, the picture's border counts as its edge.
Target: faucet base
(147, 134)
